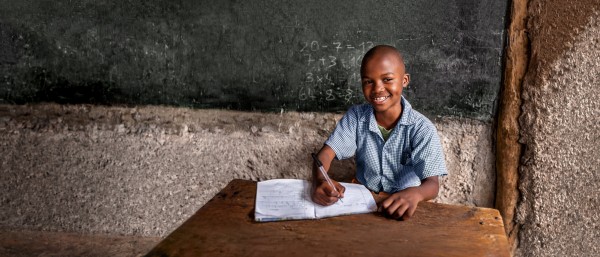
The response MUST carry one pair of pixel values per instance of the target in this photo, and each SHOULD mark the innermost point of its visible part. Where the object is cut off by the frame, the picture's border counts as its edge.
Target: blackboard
(248, 55)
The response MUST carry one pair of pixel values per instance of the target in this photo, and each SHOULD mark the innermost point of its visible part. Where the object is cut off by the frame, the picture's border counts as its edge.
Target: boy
(397, 149)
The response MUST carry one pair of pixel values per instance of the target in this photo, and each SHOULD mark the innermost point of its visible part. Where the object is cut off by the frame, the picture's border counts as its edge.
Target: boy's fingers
(329, 200)
(386, 203)
(341, 189)
(401, 211)
(317, 199)
(391, 200)
(324, 198)
(406, 214)
(330, 192)
(394, 207)
(409, 213)
(333, 200)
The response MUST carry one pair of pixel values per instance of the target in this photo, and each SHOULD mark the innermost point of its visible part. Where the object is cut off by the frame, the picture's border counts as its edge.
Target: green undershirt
(384, 132)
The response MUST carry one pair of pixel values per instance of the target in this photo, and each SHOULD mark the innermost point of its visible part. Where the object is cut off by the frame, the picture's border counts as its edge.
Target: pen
(324, 173)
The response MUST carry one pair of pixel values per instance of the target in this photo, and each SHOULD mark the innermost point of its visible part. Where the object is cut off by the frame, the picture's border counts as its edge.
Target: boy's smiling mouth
(380, 99)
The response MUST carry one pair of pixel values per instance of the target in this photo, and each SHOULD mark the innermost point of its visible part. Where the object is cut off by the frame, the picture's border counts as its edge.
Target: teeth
(381, 98)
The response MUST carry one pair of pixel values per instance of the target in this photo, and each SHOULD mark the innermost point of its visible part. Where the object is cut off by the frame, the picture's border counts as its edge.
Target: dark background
(248, 55)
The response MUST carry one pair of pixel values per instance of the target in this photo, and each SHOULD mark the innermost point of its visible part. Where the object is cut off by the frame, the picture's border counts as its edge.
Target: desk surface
(225, 226)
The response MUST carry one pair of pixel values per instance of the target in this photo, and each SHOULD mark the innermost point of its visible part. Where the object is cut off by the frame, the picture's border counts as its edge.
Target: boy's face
(383, 78)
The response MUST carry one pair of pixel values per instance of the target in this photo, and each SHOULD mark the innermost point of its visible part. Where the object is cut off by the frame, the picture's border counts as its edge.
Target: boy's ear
(406, 80)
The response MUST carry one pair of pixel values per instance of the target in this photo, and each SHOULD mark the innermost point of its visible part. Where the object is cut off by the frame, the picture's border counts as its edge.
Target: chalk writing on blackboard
(332, 70)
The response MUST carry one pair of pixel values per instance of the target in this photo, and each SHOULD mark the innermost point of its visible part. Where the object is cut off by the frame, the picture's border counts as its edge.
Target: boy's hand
(323, 193)
(402, 204)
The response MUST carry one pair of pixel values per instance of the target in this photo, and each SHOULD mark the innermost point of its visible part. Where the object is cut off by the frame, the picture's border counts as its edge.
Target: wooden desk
(225, 227)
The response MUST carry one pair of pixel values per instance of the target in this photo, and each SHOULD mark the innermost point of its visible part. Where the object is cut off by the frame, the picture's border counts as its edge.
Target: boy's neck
(389, 118)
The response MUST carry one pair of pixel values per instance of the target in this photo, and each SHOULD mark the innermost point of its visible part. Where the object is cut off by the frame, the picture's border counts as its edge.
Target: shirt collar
(407, 117)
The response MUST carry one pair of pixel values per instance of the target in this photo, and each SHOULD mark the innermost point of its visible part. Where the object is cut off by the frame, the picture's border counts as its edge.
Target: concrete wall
(558, 211)
(145, 170)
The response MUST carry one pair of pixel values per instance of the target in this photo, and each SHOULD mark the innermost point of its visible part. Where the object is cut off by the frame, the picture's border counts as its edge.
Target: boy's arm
(404, 203)
(321, 192)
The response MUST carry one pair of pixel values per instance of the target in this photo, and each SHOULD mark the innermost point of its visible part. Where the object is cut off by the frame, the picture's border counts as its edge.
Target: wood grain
(508, 148)
(225, 226)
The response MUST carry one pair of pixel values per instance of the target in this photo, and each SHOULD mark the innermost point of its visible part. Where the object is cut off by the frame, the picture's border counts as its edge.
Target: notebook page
(283, 199)
(357, 199)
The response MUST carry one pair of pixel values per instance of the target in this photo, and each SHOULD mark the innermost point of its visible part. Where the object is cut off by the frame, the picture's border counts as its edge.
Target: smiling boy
(397, 149)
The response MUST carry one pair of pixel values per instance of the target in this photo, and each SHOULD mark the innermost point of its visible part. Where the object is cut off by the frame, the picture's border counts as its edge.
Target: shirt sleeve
(427, 154)
(343, 138)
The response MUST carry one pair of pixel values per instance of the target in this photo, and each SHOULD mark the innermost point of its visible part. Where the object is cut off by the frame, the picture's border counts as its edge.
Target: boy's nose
(378, 86)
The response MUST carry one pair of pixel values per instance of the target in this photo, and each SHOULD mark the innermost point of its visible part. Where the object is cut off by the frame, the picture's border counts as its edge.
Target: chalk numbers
(319, 79)
(323, 59)
(310, 46)
(315, 46)
(366, 46)
(306, 93)
(326, 56)
(309, 78)
(331, 94)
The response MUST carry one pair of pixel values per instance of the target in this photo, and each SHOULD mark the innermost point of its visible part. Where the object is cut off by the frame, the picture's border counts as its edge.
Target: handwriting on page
(277, 200)
(283, 199)
(357, 199)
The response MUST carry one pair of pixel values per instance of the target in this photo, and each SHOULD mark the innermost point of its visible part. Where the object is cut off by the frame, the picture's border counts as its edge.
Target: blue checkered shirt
(412, 152)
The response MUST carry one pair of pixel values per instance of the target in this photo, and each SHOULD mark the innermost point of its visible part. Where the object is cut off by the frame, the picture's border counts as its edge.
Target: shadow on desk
(225, 226)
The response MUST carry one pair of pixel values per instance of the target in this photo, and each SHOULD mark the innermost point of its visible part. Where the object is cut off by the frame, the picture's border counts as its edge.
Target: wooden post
(508, 149)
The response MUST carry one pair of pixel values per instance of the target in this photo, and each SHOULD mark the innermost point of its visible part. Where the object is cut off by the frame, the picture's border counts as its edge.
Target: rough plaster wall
(470, 159)
(145, 170)
(559, 209)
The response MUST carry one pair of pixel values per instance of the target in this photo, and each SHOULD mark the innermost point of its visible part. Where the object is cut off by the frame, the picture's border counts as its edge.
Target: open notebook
(289, 199)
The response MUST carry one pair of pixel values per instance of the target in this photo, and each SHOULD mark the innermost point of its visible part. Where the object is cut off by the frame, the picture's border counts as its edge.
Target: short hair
(381, 49)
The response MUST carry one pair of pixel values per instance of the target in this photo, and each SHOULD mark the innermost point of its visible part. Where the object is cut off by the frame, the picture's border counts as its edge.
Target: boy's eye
(387, 79)
(367, 82)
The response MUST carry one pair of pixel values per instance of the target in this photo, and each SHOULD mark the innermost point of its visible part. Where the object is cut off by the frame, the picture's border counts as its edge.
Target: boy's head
(383, 78)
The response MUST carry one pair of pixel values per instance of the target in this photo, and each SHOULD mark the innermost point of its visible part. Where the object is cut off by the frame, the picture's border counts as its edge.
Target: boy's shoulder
(360, 112)
(421, 126)
(418, 118)
(361, 109)
(413, 117)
